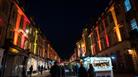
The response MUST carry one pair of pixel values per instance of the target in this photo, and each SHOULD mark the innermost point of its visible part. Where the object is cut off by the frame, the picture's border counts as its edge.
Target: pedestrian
(23, 71)
(82, 71)
(75, 69)
(55, 70)
(38, 69)
(41, 69)
(62, 71)
(31, 70)
(90, 71)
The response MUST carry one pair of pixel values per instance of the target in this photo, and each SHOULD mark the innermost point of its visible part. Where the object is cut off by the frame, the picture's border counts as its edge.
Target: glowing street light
(113, 57)
(27, 31)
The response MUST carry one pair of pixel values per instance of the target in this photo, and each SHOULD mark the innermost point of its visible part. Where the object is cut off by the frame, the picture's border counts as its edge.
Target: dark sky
(62, 21)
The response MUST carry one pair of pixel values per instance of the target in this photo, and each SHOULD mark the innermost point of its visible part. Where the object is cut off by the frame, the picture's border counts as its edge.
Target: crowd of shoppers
(59, 71)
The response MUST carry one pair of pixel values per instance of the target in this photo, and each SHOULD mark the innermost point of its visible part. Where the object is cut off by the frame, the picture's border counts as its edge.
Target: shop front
(14, 58)
(36, 62)
(102, 66)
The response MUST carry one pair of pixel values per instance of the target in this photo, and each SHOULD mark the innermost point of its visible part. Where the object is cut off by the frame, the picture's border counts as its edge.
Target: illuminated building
(24, 43)
(115, 34)
(15, 39)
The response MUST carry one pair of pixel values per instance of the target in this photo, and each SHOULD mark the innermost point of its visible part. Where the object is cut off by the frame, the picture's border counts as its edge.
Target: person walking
(31, 70)
(24, 71)
(38, 68)
(82, 71)
(62, 71)
(41, 69)
(55, 70)
(90, 71)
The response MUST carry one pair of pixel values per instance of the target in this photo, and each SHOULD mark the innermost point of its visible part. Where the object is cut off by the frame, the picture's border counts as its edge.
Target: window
(21, 23)
(127, 5)
(101, 28)
(110, 18)
(134, 24)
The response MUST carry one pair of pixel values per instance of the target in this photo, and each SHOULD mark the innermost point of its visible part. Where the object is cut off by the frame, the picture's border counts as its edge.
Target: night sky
(62, 21)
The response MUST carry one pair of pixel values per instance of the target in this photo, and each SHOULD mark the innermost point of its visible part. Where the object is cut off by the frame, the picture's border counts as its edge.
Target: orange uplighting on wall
(105, 33)
(23, 37)
(21, 12)
(16, 29)
(117, 30)
(98, 36)
(83, 44)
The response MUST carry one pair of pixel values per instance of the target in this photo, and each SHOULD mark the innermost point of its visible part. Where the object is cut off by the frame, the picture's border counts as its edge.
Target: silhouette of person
(31, 70)
(90, 71)
(41, 69)
(62, 71)
(82, 71)
(55, 70)
(23, 71)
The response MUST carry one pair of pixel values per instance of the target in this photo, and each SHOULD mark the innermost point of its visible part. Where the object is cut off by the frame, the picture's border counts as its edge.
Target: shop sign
(102, 63)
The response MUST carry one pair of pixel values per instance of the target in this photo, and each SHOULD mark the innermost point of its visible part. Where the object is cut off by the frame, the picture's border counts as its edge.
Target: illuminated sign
(99, 63)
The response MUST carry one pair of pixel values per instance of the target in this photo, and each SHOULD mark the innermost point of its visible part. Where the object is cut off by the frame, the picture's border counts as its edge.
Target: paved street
(46, 74)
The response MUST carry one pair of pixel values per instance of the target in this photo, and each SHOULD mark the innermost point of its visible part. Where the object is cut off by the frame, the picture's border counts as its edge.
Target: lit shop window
(127, 5)
(134, 24)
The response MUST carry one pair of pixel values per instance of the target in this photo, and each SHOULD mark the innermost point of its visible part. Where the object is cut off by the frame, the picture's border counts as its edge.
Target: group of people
(59, 71)
(40, 69)
(82, 72)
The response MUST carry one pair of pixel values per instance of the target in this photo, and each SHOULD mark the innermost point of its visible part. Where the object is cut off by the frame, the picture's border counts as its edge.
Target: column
(105, 33)
(23, 37)
(98, 37)
(16, 28)
(117, 30)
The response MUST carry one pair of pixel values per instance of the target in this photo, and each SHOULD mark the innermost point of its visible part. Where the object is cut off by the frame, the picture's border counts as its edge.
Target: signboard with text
(99, 63)
(102, 63)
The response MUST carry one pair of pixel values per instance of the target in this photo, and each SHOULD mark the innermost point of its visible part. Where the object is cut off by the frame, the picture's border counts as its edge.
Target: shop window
(134, 24)
(127, 5)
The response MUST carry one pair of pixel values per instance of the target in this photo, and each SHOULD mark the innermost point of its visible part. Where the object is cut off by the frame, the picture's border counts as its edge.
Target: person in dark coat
(62, 71)
(41, 69)
(55, 70)
(82, 71)
(24, 71)
(31, 70)
(90, 71)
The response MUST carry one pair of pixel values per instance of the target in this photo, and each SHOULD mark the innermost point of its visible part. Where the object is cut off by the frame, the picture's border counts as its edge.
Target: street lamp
(27, 31)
